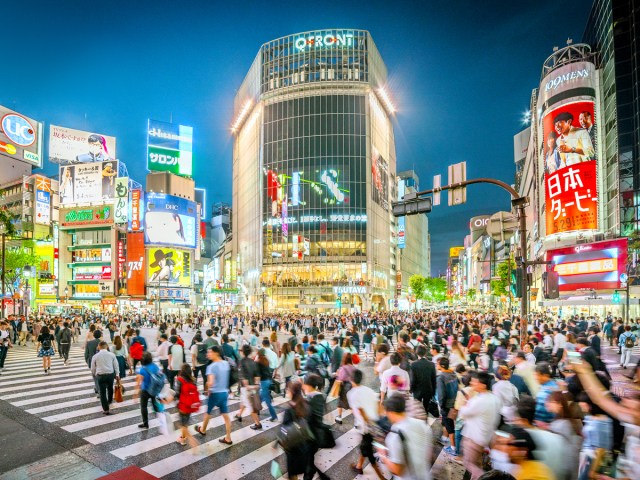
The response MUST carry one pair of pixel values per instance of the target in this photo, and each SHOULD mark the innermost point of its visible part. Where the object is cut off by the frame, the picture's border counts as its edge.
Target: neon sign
(326, 41)
(329, 179)
(602, 265)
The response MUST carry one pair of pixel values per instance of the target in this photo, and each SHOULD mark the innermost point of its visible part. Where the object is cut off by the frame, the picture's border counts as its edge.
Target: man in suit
(423, 378)
(336, 360)
(90, 350)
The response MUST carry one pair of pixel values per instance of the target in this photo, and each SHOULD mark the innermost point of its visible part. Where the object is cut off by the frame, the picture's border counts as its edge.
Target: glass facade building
(314, 176)
(613, 31)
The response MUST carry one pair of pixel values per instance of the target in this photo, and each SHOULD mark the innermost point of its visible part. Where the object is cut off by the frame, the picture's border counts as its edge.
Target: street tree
(417, 285)
(435, 290)
(500, 286)
(16, 259)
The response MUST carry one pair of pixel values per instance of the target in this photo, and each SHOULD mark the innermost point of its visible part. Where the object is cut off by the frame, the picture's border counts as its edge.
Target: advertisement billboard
(569, 152)
(43, 200)
(88, 183)
(598, 266)
(379, 179)
(168, 266)
(20, 137)
(67, 146)
(121, 207)
(170, 148)
(135, 264)
(72, 217)
(454, 252)
(136, 210)
(170, 220)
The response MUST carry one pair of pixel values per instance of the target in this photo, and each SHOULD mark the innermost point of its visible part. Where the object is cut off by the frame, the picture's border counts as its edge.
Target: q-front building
(314, 174)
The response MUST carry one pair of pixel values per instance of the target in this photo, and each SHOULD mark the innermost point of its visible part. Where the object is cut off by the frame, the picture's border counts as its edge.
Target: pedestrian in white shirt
(481, 417)
(364, 405)
(393, 370)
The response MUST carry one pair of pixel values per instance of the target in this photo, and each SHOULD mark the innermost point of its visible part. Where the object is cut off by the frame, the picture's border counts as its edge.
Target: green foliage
(471, 293)
(500, 286)
(16, 259)
(6, 223)
(435, 290)
(417, 285)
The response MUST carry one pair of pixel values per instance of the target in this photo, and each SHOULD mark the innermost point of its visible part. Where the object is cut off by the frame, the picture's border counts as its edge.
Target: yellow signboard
(168, 267)
(454, 252)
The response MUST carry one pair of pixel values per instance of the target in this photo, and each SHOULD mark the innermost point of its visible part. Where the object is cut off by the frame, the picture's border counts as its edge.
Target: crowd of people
(542, 409)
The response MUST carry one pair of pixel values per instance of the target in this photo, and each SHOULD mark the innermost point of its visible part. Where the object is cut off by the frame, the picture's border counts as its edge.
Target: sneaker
(256, 427)
(238, 418)
(182, 441)
(143, 425)
(339, 420)
(444, 440)
(450, 451)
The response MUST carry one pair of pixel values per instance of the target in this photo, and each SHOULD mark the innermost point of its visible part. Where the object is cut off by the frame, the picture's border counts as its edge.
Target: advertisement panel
(43, 200)
(168, 266)
(88, 183)
(569, 150)
(402, 226)
(379, 179)
(598, 266)
(135, 264)
(170, 148)
(20, 137)
(86, 216)
(121, 207)
(454, 252)
(170, 220)
(136, 199)
(67, 146)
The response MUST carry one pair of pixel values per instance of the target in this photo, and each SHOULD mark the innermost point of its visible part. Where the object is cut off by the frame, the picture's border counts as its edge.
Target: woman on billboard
(66, 186)
(165, 227)
(165, 265)
(552, 161)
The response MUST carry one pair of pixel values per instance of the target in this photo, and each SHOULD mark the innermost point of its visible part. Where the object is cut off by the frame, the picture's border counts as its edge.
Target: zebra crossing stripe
(248, 463)
(55, 374)
(101, 420)
(86, 411)
(43, 391)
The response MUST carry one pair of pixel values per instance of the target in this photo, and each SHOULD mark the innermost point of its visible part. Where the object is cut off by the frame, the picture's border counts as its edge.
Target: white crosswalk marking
(66, 398)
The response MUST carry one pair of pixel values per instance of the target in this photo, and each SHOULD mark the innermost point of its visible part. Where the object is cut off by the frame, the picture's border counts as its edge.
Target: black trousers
(105, 384)
(3, 354)
(64, 350)
(311, 466)
(144, 407)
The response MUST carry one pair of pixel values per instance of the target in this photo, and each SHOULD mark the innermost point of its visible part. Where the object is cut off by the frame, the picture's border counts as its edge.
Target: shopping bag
(276, 471)
(335, 389)
(117, 392)
(165, 424)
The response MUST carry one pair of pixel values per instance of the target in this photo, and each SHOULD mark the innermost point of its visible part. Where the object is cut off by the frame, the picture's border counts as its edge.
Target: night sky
(460, 74)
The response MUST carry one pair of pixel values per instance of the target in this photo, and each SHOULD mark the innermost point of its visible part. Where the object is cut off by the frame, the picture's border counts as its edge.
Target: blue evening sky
(460, 73)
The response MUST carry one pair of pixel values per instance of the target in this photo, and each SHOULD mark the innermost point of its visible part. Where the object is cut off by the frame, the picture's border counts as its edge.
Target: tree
(471, 294)
(500, 286)
(6, 223)
(435, 290)
(417, 285)
(15, 261)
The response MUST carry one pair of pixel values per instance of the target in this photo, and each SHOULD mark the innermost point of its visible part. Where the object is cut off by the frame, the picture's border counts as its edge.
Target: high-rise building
(613, 31)
(314, 167)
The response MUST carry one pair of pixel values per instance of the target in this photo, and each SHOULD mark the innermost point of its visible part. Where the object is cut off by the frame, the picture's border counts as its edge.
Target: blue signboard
(170, 220)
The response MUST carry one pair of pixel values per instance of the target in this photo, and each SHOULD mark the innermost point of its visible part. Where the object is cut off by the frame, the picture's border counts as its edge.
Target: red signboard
(135, 264)
(135, 209)
(571, 187)
(121, 259)
(595, 266)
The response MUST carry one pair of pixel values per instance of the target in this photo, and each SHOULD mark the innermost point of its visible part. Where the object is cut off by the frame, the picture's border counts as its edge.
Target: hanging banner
(121, 208)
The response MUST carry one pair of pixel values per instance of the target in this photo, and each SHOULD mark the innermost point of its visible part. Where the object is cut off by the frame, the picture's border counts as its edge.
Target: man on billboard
(108, 175)
(586, 122)
(574, 143)
(97, 150)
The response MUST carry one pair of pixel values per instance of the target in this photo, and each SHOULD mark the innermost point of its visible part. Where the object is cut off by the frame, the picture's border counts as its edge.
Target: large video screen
(170, 220)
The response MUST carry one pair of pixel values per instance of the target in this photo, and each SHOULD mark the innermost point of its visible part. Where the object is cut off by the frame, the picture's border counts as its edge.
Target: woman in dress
(46, 348)
(345, 376)
(119, 349)
(296, 410)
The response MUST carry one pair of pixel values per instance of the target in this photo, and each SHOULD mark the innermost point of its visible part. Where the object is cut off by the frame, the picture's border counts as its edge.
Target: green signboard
(170, 148)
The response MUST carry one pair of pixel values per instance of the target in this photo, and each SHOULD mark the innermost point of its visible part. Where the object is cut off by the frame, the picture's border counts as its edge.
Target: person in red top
(188, 403)
(473, 347)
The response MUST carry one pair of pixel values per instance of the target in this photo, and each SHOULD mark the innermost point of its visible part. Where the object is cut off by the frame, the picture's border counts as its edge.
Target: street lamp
(264, 289)
(66, 294)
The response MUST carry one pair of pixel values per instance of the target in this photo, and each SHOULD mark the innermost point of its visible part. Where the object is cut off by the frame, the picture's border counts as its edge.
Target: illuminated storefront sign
(43, 200)
(319, 218)
(596, 266)
(349, 289)
(170, 148)
(328, 40)
(135, 209)
(454, 252)
(135, 264)
(20, 137)
(121, 207)
(86, 216)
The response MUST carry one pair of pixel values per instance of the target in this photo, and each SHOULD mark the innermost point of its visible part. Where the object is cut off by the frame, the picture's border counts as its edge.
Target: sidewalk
(621, 385)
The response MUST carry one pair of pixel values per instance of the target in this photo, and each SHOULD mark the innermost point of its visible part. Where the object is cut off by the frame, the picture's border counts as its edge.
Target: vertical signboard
(43, 200)
(135, 209)
(569, 153)
(170, 148)
(121, 208)
(20, 137)
(402, 241)
(135, 264)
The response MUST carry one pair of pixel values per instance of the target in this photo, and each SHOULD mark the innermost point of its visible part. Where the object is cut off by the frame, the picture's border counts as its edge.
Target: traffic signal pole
(519, 203)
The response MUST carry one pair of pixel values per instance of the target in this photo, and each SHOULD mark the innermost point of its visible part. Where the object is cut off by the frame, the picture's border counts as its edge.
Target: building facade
(314, 176)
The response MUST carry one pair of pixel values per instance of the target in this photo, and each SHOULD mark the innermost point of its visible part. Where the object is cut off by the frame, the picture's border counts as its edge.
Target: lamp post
(264, 289)
(66, 294)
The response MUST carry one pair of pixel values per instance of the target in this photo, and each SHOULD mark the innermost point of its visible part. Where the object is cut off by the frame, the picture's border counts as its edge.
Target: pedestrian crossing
(65, 398)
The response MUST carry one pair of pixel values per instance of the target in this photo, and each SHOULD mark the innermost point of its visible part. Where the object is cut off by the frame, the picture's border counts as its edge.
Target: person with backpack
(65, 342)
(265, 372)
(136, 351)
(46, 349)
(295, 420)
(249, 385)
(626, 343)
(218, 379)
(199, 358)
(149, 383)
(188, 403)
(176, 359)
(447, 391)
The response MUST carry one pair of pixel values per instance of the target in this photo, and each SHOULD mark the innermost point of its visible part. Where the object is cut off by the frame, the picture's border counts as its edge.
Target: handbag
(325, 437)
(256, 403)
(355, 358)
(275, 387)
(335, 389)
(294, 434)
(117, 392)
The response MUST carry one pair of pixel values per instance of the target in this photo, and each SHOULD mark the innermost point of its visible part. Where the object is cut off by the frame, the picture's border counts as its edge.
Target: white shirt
(366, 399)
(481, 417)
(163, 350)
(559, 341)
(384, 365)
(417, 446)
(177, 357)
(394, 370)
(272, 357)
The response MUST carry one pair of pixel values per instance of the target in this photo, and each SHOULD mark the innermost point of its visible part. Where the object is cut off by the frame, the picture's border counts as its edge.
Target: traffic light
(616, 297)
(516, 282)
(413, 207)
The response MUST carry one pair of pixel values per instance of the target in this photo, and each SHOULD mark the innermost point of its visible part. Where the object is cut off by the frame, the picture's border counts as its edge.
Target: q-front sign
(325, 40)
(350, 289)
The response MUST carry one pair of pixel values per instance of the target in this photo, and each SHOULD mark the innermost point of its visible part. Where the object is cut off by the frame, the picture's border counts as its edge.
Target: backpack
(189, 401)
(65, 336)
(474, 346)
(451, 391)
(233, 370)
(325, 355)
(156, 383)
(46, 343)
(136, 351)
(629, 342)
(201, 357)
(388, 331)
